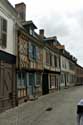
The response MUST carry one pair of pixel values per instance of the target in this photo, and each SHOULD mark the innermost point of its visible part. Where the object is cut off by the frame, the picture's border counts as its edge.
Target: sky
(61, 18)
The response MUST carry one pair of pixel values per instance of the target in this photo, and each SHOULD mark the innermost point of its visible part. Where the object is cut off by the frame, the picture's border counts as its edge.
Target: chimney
(21, 10)
(41, 33)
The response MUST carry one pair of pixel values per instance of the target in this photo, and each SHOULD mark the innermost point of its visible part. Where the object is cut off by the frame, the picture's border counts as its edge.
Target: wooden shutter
(30, 50)
(34, 52)
(4, 32)
(37, 53)
(55, 58)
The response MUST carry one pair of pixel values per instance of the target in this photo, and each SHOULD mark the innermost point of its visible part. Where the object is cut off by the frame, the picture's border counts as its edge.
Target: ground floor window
(62, 78)
(38, 79)
(52, 81)
(21, 79)
(32, 79)
(21, 84)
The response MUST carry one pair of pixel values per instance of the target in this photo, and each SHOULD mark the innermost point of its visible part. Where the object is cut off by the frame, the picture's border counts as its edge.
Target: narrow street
(61, 110)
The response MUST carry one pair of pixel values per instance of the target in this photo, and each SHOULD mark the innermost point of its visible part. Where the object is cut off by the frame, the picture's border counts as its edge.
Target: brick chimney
(21, 10)
(41, 33)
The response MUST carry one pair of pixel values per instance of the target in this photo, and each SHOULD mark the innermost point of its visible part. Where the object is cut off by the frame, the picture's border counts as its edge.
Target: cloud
(54, 24)
(63, 18)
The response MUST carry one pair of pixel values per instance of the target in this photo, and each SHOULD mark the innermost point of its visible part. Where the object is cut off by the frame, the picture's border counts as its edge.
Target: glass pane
(31, 79)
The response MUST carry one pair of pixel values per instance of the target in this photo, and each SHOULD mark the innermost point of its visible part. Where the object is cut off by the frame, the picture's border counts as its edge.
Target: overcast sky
(61, 18)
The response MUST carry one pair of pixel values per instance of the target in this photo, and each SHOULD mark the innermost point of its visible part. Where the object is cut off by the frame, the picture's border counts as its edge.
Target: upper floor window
(47, 58)
(3, 32)
(51, 60)
(55, 60)
(71, 65)
(33, 51)
(31, 31)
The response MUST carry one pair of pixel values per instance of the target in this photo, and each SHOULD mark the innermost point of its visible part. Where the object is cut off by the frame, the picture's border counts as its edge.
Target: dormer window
(31, 32)
(3, 32)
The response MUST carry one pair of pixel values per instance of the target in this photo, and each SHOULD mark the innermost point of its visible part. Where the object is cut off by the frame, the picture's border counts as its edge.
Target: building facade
(79, 75)
(7, 56)
(30, 60)
(68, 75)
(30, 63)
(51, 64)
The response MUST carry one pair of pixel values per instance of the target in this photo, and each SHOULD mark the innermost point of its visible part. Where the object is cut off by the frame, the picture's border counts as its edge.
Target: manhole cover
(49, 109)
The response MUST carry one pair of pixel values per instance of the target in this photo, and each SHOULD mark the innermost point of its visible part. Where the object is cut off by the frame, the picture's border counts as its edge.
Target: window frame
(3, 32)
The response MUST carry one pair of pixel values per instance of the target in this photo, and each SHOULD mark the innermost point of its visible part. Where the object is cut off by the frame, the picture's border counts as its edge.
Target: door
(45, 84)
(31, 84)
(7, 86)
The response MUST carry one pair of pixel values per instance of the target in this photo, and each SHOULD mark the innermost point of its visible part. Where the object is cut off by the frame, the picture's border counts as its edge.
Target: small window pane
(38, 79)
(4, 37)
(4, 25)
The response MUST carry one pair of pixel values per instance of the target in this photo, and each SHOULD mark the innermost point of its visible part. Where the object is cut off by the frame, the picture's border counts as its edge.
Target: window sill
(37, 86)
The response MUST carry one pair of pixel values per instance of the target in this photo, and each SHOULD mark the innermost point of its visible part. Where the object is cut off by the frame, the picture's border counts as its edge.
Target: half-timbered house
(30, 59)
(34, 74)
(22, 65)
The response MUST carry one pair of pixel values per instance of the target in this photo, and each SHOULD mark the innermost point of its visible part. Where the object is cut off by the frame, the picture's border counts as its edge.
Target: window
(21, 79)
(50, 59)
(31, 31)
(33, 51)
(38, 79)
(18, 79)
(55, 60)
(31, 79)
(58, 61)
(3, 32)
(30, 50)
(47, 58)
(62, 78)
(72, 66)
(52, 82)
(38, 53)
(21, 84)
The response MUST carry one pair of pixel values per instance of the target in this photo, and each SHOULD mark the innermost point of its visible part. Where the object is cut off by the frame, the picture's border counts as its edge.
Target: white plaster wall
(67, 69)
(10, 31)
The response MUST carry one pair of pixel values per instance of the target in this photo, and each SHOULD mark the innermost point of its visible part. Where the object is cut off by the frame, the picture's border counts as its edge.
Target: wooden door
(7, 86)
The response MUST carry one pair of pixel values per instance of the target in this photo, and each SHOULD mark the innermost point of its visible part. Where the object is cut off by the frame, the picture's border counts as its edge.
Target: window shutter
(30, 50)
(4, 25)
(37, 53)
(4, 32)
(55, 58)
(4, 37)
(34, 52)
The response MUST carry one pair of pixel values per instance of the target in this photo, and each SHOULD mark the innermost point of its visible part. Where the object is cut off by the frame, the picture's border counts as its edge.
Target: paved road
(63, 111)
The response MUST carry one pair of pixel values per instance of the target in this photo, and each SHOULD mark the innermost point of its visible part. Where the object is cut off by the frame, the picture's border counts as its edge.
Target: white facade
(7, 14)
(64, 64)
(67, 73)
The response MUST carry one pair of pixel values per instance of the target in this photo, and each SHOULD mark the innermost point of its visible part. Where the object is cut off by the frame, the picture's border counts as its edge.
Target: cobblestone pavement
(62, 110)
